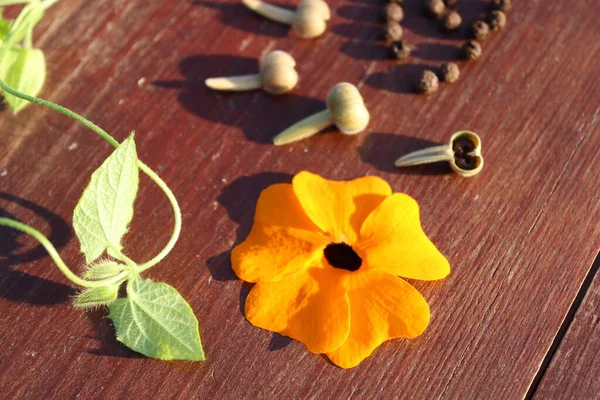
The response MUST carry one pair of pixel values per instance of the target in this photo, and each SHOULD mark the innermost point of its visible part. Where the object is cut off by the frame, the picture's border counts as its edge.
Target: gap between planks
(564, 327)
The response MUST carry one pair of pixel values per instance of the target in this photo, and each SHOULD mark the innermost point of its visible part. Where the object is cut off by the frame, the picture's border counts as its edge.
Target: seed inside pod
(435, 8)
(502, 5)
(451, 21)
(400, 49)
(393, 31)
(467, 163)
(428, 83)
(497, 20)
(480, 30)
(393, 12)
(471, 50)
(449, 72)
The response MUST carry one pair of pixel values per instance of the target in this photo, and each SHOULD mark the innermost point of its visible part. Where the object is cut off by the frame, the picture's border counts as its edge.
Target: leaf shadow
(104, 334)
(239, 200)
(20, 286)
(240, 17)
(244, 110)
(382, 149)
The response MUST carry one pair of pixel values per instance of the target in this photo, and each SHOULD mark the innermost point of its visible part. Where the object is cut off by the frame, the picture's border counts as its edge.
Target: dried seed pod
(393, 12)
(428, 83)
(502, 5)
(277, 75)
(393, 31)
(308, 21)
(400, 49)
(345, 108)
(480, 30)
(435, 8)
(463, 152)
(449, 72)
(497, 20)
(451, 21)
(471, 50)
(451, 3)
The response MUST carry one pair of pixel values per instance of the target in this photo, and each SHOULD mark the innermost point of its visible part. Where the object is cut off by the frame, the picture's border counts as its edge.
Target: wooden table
(518, 315)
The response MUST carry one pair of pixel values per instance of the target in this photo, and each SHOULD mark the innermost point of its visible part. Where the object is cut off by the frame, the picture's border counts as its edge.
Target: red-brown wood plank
(520, 237)
(575, 366)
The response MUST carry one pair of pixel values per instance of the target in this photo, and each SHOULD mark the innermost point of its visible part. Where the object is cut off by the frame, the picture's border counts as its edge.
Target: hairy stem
(104, 135)
(56, 257)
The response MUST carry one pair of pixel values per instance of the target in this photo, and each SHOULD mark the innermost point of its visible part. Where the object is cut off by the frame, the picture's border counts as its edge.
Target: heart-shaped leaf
(156, 321)
(105, 209)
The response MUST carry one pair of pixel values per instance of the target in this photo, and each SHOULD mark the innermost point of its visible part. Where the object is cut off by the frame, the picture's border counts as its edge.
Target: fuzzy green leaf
(26, 74)
(103, 213)
(104, 270)
(27, 19)
(156, 321)
(95, 297)
(5, 25)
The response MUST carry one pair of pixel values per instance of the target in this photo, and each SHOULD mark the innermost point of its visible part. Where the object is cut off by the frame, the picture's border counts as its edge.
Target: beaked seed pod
(345, 108)
(463, 152)
(308, 21)
(277, 75)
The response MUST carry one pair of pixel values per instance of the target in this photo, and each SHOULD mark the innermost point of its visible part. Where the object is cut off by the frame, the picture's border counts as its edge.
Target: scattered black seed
(451, 3)
(400, 49)
(502, 5)
(428, 83)
(449, 72)
(497, 20)
(451, 21)
(393, 12)
(480, 30)
(393, 31)
(471, 50)
(343, 256)
(435, 8)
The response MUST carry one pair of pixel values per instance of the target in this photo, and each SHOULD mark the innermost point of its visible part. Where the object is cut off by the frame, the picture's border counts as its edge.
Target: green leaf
(105, 209)
(104, 270)
(156, 321)
(5, 25)
(27, 19)
(26, 74)
(96, 297)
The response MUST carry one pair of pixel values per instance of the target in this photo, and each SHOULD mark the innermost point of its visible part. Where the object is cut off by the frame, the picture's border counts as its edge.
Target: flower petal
(310, 306)
(339, 208)
(392, 239)
(382, 307)
(282, 240)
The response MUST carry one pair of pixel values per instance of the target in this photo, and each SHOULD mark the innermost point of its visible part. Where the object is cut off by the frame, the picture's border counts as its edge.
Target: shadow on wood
(240, 17)
(382, 149)
(20, 286)
(244, 110)
(239, 199)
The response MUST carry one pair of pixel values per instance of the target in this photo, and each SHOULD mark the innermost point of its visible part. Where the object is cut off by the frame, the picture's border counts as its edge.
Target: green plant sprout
(153, 318)
(22, 66)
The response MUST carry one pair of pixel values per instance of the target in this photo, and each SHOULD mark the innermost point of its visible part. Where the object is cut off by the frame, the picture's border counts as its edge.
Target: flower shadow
(239, 200)
(20, 286)
(244, 110)
(382, 149)
(240, 17)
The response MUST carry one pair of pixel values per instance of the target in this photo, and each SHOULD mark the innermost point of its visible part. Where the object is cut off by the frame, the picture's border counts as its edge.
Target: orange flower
(326, 257)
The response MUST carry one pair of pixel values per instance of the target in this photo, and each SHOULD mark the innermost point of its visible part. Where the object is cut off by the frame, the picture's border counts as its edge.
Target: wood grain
(520, 237)
(574, 368)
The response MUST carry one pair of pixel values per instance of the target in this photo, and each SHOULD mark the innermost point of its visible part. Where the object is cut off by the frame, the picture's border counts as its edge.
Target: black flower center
(341, 255)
